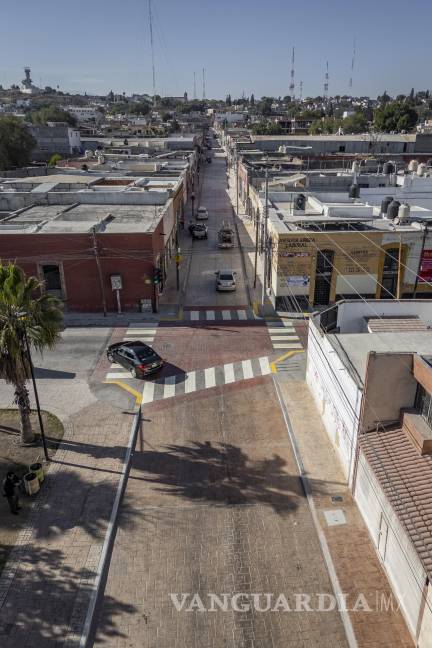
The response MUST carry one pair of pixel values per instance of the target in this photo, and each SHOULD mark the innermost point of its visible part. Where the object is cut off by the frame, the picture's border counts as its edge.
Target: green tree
(24, 315)
(54, 159)
(265, 106)
(252, 100)
(395, 116)
(141, 108)
(52, 114)
(16, 143)
(356, 123)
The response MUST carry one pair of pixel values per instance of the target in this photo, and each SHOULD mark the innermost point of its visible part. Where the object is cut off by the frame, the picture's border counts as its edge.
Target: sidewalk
(356, 563)
(46, 585)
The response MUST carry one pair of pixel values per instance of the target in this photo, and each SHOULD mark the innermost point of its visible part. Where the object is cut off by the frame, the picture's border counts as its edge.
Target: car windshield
(144, 353)
(224, 276)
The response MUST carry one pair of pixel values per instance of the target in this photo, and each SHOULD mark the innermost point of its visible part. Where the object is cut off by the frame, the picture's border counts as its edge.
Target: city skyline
(244, 48)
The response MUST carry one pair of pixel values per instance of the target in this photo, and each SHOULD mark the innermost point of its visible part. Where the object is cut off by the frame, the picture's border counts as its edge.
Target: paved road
(214, 489)
(207, 258)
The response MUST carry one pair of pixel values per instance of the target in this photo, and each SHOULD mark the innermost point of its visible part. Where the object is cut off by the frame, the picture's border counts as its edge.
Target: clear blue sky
(244, 45)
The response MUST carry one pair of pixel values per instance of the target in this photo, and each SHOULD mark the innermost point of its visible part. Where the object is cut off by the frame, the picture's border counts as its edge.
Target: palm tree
(25, 312)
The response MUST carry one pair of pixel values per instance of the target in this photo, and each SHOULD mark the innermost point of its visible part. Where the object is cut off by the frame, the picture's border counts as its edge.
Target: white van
(202, 213)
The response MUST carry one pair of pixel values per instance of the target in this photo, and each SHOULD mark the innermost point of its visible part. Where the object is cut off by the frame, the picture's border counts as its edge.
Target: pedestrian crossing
(145, 332)
(283, 335)
(214, 315)
(201, 379)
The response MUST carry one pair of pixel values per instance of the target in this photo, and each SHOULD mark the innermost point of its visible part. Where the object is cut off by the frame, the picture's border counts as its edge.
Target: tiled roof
(406, 479)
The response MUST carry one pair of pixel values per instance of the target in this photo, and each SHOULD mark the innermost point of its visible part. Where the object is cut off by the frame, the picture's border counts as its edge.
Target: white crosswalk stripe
(211, 315)
(201, 379)
(283, 335)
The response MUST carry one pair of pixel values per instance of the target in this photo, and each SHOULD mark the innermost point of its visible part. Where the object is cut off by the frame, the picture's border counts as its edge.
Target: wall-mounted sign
(425, 273)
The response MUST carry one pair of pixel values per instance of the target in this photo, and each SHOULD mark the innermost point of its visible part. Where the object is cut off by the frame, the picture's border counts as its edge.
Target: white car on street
(202, 213)
(225, 280)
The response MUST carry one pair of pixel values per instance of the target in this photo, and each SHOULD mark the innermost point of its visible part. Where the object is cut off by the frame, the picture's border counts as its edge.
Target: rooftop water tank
(354, 191)
(384, 204)
(388, 168)
(412, 166)
(421, 169)
(393, 209)
(355, 166)
(403, 213)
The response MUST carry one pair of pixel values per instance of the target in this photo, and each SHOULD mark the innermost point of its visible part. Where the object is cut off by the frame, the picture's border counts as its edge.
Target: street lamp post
(265, 240)
(41, 425)
(193, 201)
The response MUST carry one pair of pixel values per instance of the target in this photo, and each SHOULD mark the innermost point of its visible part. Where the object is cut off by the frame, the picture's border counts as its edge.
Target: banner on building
(425, 273)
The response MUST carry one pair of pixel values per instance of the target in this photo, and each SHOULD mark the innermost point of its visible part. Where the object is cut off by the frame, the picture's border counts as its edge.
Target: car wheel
(133, 372)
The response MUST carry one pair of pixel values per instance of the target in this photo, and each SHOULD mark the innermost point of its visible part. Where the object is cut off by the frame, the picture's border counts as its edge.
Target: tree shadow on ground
(46, 595)
(221, 474)
(70, 504)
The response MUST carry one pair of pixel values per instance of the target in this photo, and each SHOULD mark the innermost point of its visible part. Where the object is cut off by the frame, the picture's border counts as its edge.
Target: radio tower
(292, 86)
(152, 49)
(203, 77)
(194, 95)
(352, 65)
(301, 90)
(326, 82)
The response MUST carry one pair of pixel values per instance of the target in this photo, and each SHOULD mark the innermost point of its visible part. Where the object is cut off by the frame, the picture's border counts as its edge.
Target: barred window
(423, 404)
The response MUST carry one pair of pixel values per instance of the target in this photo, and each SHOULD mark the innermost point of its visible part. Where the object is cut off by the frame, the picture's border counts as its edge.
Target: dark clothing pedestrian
(10, 483)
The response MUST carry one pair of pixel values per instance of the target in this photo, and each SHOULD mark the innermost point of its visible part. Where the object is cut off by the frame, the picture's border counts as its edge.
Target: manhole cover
(335, 517)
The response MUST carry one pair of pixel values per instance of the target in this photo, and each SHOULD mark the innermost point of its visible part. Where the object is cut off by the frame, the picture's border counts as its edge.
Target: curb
(98, 588)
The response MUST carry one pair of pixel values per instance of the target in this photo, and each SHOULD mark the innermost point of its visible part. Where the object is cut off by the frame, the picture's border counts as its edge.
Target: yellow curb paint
(131, 390)
(283, 357)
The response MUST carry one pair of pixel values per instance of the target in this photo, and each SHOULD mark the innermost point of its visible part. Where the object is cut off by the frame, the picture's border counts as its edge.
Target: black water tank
(385, 203)
(354, 191)
(388, 168)
(393, 209)
(300, 202)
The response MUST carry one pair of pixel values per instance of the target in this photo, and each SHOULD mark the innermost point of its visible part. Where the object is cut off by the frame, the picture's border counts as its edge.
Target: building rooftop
(406, 479)
(78, 219)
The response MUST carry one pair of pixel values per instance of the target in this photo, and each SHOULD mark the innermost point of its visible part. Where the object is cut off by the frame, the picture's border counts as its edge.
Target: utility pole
(203, 81)
(256, 249)
(237, 193)
(399, 274)
(152, 50)
(292, 84)
(265, 240)
(194, 93)
(99, 269)
(425, 232)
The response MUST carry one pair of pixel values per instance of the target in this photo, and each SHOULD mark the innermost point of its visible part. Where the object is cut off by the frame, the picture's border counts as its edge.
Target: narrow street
(214, 486)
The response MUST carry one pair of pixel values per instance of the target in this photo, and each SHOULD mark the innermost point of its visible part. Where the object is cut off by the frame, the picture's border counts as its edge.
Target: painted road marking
(169, 387)
(247, 369)
(117, 374)
(210, 377)
(265, 365)
(288, 345)
(212, 315)
(283, 336)
(229, 373)
(141, 331)
(148, 392)
(190, 382)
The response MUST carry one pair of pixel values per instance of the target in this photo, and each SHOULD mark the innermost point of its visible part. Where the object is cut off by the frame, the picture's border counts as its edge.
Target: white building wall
(398, 556)
(351, 314)
(336, 394)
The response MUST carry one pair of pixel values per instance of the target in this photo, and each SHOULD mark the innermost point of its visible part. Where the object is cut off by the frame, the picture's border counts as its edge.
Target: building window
(52, 279)
(423, 404)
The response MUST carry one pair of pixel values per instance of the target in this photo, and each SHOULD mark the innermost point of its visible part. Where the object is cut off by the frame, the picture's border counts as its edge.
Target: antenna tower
(152, 48)
(301, 90)
(326, 82)
(292, 85)
(203, 77)
(194, 94)
(352, 64)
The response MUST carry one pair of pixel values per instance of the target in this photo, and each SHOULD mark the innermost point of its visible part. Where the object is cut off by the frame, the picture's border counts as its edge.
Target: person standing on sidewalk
(10, 484)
